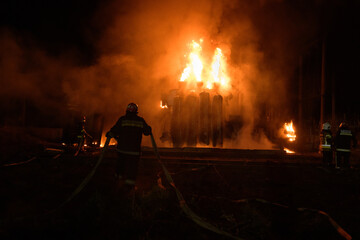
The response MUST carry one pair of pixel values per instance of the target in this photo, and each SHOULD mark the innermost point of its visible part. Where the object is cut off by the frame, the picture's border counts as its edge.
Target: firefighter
(326, 144)
(343, 140)
(128, 132)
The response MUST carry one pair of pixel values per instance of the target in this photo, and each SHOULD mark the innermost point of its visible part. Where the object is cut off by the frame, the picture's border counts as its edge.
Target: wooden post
(300, 98)
(322, 83)
(333, 107)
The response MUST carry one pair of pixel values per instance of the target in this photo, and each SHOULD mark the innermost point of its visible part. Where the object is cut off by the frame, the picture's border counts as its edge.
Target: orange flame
(103, 140)
(288, 150)
(194, 67)
(197, 70)
(162, 105)
(289, 131)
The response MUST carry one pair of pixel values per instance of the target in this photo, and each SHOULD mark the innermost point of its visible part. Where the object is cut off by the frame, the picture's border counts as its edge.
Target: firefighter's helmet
(326, 126)
(132, 108)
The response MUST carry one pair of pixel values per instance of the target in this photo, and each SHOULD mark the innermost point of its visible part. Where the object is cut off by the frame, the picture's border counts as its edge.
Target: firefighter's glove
(109, 135)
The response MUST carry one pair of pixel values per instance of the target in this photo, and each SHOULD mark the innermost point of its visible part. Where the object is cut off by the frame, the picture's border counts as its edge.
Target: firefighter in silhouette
(326, 144)
(344, 140)
(128, 132)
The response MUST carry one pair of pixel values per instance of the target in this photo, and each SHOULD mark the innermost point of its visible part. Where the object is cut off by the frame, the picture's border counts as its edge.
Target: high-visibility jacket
(326, 140)
(128, 132)
(343, 139)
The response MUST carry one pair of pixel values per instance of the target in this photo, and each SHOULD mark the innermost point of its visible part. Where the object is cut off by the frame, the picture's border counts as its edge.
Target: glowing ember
(288, 150)
(163, 105)
(289, 131)
(197, 70)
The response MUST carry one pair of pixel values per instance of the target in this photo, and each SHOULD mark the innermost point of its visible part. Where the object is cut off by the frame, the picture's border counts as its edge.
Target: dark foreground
(247, 194)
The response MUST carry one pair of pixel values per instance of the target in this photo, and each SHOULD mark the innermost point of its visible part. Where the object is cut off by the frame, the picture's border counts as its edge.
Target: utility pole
(333, 120)
(300, 97)
(322, 105)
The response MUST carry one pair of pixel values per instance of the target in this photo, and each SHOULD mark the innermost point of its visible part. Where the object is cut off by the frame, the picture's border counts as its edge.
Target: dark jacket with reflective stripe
(128, 132)
(326, 140)
(343, 140)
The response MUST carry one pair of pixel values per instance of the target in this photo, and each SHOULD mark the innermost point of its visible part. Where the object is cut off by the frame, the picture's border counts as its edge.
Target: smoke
(141, 55)
(27, 75)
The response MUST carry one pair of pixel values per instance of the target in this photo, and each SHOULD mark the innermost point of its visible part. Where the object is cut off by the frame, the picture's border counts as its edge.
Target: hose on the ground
(186, 209)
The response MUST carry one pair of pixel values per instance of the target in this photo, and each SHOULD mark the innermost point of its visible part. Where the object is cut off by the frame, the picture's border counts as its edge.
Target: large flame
(194, 67)
(199, 71)
(218, 70)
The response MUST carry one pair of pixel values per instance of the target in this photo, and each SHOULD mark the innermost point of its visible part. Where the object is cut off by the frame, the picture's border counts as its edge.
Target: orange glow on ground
(288, 151)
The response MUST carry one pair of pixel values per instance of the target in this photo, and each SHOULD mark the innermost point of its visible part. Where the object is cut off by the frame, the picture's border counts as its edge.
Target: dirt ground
(251, 196)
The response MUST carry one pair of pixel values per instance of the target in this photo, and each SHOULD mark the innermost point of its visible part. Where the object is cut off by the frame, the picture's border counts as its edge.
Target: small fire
(208, 74)
(289, 131)
(288, 150)
(163, 105)
(103, 140)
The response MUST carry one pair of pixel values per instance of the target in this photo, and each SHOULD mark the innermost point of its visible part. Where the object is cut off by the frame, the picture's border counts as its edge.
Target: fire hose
(89, 176)
(337, 227)
(19, 163)
(193, 216)
(189, 213)
(197, 219)
(76, 191)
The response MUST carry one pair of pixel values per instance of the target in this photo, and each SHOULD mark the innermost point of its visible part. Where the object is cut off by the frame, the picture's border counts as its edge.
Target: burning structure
(207, 109)
(194, 113)
(216, 95)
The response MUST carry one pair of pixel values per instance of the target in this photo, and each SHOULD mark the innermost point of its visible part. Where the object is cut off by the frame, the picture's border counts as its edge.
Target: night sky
(285, 30)
(55, 26)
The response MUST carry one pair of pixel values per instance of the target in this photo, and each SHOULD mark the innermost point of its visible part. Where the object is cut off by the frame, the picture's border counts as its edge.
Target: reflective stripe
(326, 146)
(345, 132)
(131, 123)
(129, 153)
(343, 150)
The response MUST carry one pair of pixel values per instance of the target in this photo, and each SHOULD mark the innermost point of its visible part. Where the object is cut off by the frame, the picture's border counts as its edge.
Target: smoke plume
(140, 55)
